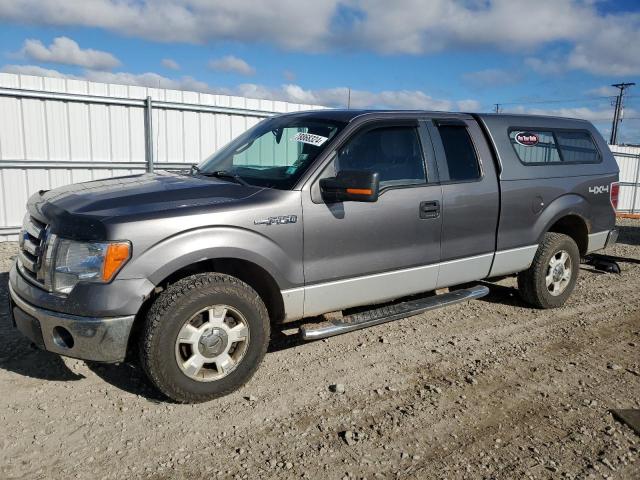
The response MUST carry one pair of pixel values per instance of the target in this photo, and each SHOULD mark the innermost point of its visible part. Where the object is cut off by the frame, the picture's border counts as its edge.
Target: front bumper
(88, 338)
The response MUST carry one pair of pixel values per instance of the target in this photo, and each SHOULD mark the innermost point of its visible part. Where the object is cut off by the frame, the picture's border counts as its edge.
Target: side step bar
(389, 313)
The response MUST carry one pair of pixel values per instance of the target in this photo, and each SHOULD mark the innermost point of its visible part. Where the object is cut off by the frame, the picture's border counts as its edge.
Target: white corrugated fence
(628, 159)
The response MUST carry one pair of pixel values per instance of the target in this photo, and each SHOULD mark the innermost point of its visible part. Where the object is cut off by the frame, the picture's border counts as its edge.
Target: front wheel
(204, 337)
(549, 281)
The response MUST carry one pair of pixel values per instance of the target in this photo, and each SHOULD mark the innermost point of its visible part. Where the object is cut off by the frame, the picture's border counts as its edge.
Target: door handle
(430, 209)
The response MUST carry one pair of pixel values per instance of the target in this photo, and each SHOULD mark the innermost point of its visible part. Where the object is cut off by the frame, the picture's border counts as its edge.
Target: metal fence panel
(56, 131)
(628, 159)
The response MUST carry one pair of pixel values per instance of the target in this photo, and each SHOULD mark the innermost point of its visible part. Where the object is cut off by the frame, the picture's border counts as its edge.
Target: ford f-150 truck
(344, 218)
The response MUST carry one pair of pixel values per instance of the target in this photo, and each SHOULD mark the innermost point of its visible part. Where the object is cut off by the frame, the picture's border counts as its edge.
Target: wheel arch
(250, 273)
(573, 226)
(568, 215)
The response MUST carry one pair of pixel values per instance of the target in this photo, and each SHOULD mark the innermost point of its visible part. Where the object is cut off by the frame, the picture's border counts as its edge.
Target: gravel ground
(486, 389)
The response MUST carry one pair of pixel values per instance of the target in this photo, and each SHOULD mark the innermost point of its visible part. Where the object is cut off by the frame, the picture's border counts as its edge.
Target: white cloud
(604, 91)
(329, 97)
(553, 66)
(491, 77)
(148, 79)
(170, 64)
(338, 97)
(609, 46)
(469, 105)
(597, 43)
(282, 22)
(35, 70)
(599, 114)
(232, 64)
(612, 47)
(66, 51)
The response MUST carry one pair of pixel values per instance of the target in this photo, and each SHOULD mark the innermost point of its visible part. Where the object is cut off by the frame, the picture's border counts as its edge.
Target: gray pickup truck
(346, 219)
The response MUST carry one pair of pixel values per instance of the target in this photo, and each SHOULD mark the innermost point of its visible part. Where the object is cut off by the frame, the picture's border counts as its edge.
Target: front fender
(187, 248)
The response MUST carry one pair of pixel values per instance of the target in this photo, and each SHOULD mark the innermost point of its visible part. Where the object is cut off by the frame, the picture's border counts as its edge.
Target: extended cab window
(394, 152)
(554, 146)
(462, 160)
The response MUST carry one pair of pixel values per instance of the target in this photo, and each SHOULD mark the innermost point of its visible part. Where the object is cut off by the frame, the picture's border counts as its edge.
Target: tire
(182, 328)
(533, 283)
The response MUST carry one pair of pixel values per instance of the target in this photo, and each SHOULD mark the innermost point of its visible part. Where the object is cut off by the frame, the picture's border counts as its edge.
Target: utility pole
(617, 114)
(348, 98)
(497, 109)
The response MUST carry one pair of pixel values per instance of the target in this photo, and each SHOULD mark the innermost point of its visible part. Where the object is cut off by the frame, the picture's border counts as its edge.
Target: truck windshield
(275, 153)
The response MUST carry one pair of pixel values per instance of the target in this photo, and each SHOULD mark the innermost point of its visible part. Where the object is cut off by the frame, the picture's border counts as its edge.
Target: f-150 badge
(281, 220)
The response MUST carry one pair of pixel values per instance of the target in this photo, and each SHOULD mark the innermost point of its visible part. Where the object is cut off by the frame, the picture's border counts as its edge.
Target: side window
(557, 146)
(577, 147)
(535, 147)
(394, 152)
(460, 152)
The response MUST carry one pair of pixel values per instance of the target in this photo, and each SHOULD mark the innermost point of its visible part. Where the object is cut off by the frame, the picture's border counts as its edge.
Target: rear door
(359, 253)
(470, 200)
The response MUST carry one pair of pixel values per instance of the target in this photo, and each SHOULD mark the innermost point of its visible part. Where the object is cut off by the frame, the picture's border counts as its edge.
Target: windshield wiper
(223, 174)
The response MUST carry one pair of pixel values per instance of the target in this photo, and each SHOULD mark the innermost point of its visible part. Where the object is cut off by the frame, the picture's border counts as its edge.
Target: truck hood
(83, 206)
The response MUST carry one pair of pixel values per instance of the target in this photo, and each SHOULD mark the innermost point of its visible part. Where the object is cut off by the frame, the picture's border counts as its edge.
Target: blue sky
(544, 56)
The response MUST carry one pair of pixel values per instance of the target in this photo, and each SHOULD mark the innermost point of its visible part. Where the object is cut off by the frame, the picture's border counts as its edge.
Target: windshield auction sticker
(310, 138)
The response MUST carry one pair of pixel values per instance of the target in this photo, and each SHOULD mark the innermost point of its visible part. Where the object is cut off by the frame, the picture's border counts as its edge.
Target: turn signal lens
(116, 256)
(614, 193)
(359, 191)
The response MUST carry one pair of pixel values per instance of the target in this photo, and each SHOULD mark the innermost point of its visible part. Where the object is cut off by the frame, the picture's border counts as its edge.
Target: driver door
(358, 253)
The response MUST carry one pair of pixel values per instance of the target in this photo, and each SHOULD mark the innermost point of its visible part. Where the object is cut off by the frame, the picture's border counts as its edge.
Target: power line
(558, 100)
(568, 100)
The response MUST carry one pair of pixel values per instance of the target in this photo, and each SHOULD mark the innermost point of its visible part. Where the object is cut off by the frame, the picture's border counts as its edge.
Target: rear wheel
(549, 281)
(204, 337)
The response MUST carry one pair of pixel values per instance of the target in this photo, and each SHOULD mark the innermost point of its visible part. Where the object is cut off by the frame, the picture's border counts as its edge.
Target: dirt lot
(487, 389)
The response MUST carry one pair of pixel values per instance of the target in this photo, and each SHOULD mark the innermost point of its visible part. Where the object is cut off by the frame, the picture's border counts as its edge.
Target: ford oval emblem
(528, 139)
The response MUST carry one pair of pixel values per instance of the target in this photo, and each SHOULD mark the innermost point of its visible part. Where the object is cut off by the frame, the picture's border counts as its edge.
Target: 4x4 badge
(598, 189)
(281, 220)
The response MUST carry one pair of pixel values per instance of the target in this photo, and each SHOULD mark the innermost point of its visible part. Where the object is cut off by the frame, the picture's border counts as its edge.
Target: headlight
(75, 262)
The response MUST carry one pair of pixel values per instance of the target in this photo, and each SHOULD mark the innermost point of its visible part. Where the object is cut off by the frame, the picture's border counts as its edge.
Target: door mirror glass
(351, 186)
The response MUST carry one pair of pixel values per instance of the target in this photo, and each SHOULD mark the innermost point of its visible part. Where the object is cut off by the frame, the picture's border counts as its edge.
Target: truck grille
(32, 243)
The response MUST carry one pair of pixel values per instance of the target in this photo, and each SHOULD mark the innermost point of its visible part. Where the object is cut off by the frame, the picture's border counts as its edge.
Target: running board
(389, 313)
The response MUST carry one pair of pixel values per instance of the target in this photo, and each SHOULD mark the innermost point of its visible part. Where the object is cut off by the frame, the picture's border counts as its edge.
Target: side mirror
(351, 186)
